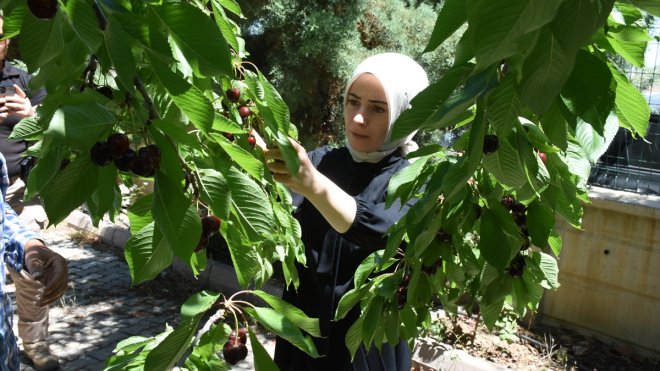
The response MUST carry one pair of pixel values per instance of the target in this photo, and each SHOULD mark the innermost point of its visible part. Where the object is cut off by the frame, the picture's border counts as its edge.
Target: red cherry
(233, 94)
(244, 111)
(242, 335)
(118, 144)
(252, 141)
(542, 156)
(210, 224)
(229, 136)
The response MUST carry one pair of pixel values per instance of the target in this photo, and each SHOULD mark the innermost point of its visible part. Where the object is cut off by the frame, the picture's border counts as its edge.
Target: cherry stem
(207, 325)
(153, 113)
(89, 72)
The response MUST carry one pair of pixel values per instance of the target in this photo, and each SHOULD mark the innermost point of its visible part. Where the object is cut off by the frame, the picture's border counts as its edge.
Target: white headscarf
(402, 78)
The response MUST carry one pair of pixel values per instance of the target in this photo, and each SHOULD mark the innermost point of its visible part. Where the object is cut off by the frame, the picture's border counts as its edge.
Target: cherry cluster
(519, 213)
(235, 349)
(142, 162)
(517, 266)
(234, 96)
(402, 291)
(431, 269)
(210, 225)
(252, 140)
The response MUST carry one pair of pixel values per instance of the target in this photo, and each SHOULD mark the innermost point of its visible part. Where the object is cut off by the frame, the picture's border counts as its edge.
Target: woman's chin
(362, 145)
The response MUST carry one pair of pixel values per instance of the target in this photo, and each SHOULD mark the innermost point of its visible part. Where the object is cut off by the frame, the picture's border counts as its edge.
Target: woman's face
(366, 114)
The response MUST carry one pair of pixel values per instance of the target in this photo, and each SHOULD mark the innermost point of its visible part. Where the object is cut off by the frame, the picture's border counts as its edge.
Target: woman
(340, 194)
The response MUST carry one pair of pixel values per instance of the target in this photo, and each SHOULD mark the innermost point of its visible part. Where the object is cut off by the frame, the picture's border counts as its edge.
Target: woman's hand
(337, 207)
(304, 181)
(16, 104)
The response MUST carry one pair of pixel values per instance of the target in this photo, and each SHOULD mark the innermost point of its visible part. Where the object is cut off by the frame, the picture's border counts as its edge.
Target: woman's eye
(353, 102)
(378, 109)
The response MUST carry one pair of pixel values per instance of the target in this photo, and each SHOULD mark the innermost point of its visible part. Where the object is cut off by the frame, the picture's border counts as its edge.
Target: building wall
(609, 270)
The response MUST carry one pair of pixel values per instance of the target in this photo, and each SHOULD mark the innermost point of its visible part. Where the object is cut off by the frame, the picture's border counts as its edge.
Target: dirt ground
(545, 348)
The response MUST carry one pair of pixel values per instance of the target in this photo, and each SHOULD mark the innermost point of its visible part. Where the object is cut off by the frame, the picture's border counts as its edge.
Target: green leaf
(118, 44)
(506, 165)
(504, 107)
(429, 101)
(250, 204)
(350, 300)
(397, 187)
(28, 128)
(495, 249)
(545, 70)
(630, 43)
(107, 194)
(147, 254)
(392, 327)
(284, 328)
(588, 88)
(225, 125)
(243, 158)
(295, 315)
(555, 242)
(41, 41)
(534, 289)
(371, 319)
(451, 16)
(548, 266)
(177, 219)
(262, 360)
(273, 102)
(493, 300)
(226, 26)
(354, 337)
(13, 19)
(84, 23)
(186, 96)
(650, 6)
(166, 354)
(289, 154)
(205, 355)
(139, 214)
(69, 189)
(200, 40)
(541, 221)
(243, 253)
(499, 26)
(170, 162)
(631, 107)
(47, 167)
(214, 191)
(80, 125)
(554, 125)
(198, 303)
(577, 21)
(232, 6)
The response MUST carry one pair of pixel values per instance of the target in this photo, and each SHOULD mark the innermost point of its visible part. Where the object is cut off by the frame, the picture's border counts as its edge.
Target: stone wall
(610, 271)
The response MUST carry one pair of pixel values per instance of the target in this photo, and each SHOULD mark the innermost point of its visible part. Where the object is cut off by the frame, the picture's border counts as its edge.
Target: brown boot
(39, 353)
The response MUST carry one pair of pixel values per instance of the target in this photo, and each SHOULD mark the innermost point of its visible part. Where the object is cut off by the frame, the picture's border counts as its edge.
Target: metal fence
(634, 164)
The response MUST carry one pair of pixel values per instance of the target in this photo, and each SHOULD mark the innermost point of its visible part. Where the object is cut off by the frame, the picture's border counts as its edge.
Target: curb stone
(428, 354)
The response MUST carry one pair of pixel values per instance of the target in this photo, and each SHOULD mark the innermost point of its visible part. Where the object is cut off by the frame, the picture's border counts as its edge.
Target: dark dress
(332, 259)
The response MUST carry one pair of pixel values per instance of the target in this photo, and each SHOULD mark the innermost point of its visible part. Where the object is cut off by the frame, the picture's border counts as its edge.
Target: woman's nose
(359, 118)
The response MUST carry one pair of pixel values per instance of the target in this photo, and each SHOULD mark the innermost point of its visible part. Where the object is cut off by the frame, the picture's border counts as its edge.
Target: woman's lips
(359, 136)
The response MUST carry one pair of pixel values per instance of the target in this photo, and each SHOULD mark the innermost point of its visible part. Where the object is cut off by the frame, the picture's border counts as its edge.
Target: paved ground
(100, 308)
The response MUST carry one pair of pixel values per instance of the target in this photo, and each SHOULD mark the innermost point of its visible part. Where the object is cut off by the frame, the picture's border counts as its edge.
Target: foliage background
(308, 50)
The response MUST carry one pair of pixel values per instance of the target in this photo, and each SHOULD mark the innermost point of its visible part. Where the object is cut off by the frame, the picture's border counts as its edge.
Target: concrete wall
(610, 271)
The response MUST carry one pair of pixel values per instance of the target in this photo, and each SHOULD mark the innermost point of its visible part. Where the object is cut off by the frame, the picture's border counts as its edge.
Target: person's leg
(32, 319)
